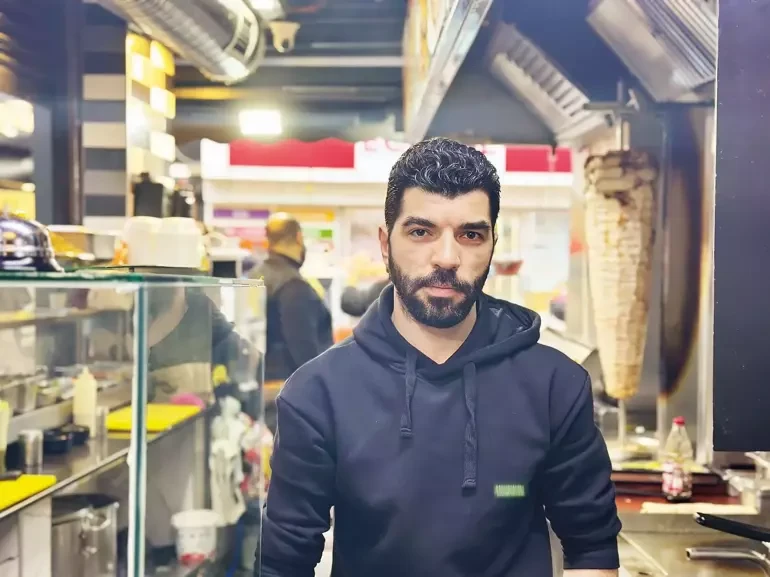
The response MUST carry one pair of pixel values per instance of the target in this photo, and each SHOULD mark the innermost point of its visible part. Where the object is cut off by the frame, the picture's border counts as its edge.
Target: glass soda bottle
(677, 464)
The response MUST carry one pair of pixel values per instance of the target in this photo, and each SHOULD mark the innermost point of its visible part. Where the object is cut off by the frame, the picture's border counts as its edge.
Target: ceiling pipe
(224, 39)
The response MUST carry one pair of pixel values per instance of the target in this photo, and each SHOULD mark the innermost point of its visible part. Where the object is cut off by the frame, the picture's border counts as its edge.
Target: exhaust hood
(529, 75)
(669, 45)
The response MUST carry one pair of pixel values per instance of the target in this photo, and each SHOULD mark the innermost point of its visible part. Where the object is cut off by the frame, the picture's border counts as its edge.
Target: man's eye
(471, 235)
(419, 233)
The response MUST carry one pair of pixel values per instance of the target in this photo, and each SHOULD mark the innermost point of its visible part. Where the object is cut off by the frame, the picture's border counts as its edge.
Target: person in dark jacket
(356, 299)
(442, 433)
(299, 325)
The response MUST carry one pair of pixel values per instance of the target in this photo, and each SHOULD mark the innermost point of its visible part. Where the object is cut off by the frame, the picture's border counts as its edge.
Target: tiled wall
(127, 105)
(105, 177)
(151, 106)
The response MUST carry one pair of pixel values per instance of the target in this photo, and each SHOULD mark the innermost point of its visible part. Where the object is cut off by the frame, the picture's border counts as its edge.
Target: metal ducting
(529, 74)
(670, 45)
(224, 39)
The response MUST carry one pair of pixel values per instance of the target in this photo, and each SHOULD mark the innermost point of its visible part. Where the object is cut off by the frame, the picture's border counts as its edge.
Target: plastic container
(140, 234)
(179, 243)
(85, 400)
(196, 535)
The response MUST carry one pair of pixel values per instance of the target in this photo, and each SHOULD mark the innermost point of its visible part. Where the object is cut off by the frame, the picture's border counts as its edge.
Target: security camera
(283, 34)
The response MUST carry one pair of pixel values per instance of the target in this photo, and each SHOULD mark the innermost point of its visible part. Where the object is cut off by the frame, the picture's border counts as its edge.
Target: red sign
(327, 153)
(378, 155)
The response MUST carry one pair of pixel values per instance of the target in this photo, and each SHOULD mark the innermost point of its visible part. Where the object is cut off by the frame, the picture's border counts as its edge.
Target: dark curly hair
(441, 166)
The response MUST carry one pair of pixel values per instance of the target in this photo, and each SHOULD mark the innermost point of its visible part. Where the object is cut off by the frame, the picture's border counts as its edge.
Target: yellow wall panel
(136, 44)
(162, 58)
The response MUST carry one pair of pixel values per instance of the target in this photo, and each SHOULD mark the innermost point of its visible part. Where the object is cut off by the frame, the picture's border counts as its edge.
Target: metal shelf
(47, 317)
(61, 413)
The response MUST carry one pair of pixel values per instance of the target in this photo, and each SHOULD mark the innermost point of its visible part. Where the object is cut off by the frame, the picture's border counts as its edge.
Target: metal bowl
(21, 394)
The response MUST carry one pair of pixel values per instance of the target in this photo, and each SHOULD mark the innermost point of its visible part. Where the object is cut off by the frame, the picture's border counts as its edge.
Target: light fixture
(28, 187)
(260, 122)
(9, 131)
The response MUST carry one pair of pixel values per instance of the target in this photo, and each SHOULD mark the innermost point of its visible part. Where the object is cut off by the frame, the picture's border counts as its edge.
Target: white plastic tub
(196, 535)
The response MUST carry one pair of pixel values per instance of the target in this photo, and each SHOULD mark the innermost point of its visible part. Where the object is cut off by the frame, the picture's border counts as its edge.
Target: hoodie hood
(502, 329)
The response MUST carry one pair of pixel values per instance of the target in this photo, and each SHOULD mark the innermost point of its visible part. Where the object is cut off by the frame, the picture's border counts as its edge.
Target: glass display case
(131, 429)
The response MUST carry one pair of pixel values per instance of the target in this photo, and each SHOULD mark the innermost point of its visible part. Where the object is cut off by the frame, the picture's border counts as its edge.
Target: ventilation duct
(528, 74)
(222, 38)
(670, 45)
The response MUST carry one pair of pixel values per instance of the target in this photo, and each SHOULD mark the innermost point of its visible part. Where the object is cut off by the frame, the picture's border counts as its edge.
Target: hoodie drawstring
(470, 450)
(411, 380)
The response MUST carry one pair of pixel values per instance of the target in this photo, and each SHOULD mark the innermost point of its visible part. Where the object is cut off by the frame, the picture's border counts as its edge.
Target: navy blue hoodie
(439, 470)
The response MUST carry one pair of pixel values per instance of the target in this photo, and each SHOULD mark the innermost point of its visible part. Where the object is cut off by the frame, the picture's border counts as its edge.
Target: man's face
(438, 254)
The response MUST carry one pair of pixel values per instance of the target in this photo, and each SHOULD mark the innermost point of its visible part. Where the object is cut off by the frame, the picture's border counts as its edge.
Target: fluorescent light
(28, 187)
(9, 131)
(260, 122)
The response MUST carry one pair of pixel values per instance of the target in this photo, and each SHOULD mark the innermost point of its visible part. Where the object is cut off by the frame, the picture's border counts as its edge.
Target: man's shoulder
(275, 274)
(324, 371)
(561, 370)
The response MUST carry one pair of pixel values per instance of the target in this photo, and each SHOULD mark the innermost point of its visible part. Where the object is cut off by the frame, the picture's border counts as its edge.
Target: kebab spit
(620, 208)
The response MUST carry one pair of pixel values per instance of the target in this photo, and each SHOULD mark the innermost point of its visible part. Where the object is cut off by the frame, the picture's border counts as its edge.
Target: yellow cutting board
(159, 417)
(13, 492)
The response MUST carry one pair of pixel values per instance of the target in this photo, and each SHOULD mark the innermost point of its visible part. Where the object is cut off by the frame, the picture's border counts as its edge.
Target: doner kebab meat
(620, 201)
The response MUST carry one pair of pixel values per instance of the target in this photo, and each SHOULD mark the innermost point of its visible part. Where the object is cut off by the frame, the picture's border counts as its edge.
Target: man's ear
(384, 245)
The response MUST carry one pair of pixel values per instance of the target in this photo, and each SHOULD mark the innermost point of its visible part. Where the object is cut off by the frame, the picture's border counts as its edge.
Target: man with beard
(299, 325)
(444, 436)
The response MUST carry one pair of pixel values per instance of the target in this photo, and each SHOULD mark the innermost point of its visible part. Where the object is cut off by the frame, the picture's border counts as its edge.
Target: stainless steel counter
(662, 555)
(60, 413)
(88, 460)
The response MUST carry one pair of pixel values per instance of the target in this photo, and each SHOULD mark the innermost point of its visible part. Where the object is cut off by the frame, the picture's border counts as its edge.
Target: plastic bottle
(677, 464)
(84, 401)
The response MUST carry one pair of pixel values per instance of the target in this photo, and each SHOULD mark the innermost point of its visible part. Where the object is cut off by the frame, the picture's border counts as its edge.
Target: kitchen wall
(105, 179)
(127, 106)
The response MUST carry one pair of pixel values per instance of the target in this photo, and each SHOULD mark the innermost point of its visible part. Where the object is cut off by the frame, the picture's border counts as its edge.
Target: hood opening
(529, 74)
(669, 45)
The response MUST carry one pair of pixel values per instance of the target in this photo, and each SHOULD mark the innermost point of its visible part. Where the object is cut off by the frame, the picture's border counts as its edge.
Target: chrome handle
(725, 554)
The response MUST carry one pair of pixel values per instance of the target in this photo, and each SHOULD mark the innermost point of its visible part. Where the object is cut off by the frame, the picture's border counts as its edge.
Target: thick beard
(436, 312)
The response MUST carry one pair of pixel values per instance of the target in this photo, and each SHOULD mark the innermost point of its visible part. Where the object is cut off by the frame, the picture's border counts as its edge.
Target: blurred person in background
(299, 325)
(443, 435)
(356, 299)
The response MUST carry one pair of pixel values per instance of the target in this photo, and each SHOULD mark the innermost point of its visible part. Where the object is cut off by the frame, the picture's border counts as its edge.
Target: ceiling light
(260, 122)
(9, 131)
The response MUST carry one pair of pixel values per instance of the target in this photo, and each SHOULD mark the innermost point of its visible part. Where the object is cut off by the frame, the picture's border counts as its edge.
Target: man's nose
(447, 253)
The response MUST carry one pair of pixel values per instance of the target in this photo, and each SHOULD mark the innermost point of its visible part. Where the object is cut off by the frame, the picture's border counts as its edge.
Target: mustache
(445, 278)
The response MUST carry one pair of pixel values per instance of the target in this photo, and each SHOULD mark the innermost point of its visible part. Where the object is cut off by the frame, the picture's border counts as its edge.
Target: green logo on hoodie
(510, 491)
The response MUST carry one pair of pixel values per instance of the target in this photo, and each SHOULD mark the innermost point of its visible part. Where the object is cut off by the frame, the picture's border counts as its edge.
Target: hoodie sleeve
(297, 512)
(579, 496)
